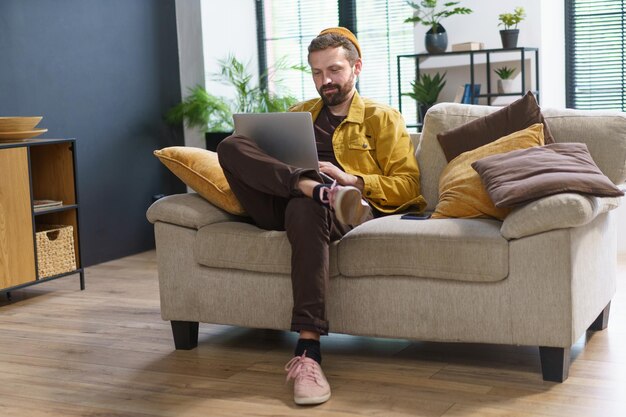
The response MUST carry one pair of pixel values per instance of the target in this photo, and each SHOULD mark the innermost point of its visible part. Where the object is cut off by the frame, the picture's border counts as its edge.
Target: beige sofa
(455, 280)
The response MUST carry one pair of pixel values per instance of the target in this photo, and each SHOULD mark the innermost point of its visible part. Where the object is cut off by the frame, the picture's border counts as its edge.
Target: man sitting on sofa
(365, 148)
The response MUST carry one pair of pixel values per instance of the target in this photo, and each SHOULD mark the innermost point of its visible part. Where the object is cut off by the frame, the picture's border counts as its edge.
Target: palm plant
(211, 113)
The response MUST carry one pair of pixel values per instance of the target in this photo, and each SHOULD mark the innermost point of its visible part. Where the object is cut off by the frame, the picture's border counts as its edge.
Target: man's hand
(343, 178)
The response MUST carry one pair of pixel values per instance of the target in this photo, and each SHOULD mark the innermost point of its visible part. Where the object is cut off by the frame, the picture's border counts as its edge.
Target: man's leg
(262, 184)
(310, 228)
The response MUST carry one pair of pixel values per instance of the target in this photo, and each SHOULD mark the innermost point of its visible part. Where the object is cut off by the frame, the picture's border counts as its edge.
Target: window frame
(570, 55)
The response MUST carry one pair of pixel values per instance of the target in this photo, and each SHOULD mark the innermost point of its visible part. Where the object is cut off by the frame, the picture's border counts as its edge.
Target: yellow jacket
(373, 143)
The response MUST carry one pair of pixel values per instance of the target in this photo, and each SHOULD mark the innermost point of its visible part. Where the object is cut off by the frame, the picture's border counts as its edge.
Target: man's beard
(341, 94)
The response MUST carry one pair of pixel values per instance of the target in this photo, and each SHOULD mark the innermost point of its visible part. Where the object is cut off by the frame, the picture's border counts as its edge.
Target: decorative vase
(436, 42)
(214, 138)
(509, 38)
(422, 108)
(505, 86)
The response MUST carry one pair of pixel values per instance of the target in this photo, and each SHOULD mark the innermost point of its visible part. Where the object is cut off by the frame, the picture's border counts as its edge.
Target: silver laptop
(288, 137)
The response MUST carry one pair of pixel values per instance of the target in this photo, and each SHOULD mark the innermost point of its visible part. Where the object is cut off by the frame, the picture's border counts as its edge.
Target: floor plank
(106, 352)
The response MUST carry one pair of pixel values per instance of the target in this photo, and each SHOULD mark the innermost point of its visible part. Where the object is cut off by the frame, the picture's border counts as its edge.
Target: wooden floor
(106, 352)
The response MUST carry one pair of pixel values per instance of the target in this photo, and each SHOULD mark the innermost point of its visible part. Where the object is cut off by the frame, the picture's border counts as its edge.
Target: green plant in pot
(505, 81)
(425, 91)
(510, 32)
(429, 14)
(213, 115)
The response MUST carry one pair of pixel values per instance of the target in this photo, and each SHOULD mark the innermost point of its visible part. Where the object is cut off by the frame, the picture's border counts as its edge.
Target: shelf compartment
(46, 210)
(67, 217)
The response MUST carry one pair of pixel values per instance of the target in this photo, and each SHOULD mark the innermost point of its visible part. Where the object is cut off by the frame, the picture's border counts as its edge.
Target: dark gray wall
(103, 72)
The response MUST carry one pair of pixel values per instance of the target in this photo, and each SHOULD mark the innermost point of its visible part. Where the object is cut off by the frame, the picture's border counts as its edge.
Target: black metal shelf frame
(523, 51)
(34, 213)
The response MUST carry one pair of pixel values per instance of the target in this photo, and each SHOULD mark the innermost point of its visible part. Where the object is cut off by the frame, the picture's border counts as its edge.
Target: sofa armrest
(188, 210)
(557, 211)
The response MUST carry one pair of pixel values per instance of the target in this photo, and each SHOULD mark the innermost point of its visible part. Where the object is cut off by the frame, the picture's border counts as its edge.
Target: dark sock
(316, 193)
(312, 349)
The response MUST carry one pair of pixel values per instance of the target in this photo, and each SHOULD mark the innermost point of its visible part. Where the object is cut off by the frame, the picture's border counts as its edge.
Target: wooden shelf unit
(414, 61)
(29, 170)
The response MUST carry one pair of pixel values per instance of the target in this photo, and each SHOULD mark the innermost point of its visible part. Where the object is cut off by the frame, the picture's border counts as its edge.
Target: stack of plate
(16, 128)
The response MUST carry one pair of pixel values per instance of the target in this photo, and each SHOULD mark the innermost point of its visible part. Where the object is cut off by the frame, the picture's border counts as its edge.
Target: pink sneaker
(310, 385)
(347, 203)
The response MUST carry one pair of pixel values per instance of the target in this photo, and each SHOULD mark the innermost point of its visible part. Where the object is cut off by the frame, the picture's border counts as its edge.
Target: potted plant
(427, 13)
(505, 83)
(510, 32)
(426, 90)
(213, 115)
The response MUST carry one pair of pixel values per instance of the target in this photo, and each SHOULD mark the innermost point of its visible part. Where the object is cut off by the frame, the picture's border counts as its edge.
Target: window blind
(289, 27)
(291, 24)
(596, 54)
(383, 35)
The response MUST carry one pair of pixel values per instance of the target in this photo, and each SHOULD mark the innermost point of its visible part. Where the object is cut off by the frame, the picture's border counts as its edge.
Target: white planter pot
(505, 86)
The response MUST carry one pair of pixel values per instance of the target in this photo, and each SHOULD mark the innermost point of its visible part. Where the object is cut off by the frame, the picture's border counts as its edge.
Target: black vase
(214, 138)
(423, 108)
(436, 42)
(509, 38)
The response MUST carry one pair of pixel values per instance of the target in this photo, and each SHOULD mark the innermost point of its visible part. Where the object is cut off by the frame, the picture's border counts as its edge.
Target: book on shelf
(470, 97)
(42, 204)
(458, 97)
(468, 46)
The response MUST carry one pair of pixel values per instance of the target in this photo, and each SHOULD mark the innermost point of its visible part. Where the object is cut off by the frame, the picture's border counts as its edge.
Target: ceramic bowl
(18, 124)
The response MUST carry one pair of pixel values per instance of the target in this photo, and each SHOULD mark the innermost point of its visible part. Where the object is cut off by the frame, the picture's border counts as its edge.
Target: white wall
(190, 57)
(208, 31)
(229, 28)
(542, 28)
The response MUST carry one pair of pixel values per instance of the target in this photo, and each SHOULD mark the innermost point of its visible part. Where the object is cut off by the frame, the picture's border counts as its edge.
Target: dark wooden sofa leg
(554, 363)
(602, 321)
(185, 334)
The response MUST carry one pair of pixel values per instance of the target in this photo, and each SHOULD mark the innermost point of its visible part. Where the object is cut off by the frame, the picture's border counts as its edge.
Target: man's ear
(358, 66)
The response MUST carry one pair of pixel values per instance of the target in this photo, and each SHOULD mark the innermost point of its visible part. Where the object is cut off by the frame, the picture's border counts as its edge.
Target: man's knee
(229, 148)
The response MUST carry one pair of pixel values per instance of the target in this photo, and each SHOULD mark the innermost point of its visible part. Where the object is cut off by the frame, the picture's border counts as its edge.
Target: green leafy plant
(212, 113)
(510, 20)
(426, 89)
(427, 13)
(504, 72)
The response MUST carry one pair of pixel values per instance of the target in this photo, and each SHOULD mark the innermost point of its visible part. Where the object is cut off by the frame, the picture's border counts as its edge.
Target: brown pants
(268, 191)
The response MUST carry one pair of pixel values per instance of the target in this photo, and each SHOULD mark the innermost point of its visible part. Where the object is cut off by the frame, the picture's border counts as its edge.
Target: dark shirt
(325, 126)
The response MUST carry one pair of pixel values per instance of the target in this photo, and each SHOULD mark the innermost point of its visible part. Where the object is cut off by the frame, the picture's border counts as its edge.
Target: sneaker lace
(302, 367)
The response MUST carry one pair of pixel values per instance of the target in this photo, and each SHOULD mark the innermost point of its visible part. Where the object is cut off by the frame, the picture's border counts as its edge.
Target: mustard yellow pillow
(462, 194)
(200, 170)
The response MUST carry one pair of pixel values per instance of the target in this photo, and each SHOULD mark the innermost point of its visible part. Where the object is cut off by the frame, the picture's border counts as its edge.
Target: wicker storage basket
(55, 249)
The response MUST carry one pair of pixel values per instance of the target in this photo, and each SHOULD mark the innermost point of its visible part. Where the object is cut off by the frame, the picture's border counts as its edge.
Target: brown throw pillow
(461, 194)
(200, 170)
(515, 117)
(519, 177)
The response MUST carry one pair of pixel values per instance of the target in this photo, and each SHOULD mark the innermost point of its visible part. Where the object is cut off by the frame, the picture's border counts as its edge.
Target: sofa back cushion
(515, 117)
(604, 132)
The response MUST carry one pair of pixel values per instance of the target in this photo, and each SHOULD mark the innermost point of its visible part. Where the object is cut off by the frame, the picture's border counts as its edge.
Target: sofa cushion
(188, 210)
(461, 192)
(519, 177)
(602, 131)
(558, 211)
(200, 170)
(453, 249)
(516, 116)
(245, 246)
